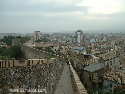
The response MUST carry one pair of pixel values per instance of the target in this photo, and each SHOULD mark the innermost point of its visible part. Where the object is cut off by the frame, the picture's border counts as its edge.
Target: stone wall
(78, 84)
(65, 83)
(28, 62)
(40, 76)
(30, 52)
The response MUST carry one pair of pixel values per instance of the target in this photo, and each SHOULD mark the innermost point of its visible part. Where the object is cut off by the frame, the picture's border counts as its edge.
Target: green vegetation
(13, 48)
(9, 39)
(23, 39)
(47, 49)
(12, 52)
(51, 53)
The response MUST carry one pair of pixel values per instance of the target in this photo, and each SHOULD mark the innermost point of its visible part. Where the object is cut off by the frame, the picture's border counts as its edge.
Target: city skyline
(26, 16)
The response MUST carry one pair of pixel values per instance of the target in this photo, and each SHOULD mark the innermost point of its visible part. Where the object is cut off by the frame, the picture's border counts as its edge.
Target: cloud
(47, 15)
(56, 2)
(40, 6)
(103, 6)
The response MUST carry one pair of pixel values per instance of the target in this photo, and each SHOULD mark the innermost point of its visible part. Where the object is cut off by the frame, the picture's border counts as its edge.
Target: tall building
(79, 37)
(36, 35)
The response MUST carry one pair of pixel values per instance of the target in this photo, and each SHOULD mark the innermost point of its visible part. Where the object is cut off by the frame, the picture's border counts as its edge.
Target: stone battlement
(80, 87)
(39, 76)
(28, 62)
(31, 52)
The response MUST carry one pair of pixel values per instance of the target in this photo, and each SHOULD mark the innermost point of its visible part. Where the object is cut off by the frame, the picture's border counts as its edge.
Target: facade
(79, 37)
(36, 35)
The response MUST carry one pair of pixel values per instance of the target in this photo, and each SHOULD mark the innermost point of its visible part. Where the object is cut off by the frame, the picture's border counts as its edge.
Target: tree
(8, 39)
(12, 52)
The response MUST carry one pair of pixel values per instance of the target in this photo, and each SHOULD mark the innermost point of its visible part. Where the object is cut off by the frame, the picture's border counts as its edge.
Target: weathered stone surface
(40, 76)
(65, 84)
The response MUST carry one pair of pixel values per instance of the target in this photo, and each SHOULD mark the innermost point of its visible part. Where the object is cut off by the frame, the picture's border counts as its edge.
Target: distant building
(79, 50)
(36, 35)
(79, 37)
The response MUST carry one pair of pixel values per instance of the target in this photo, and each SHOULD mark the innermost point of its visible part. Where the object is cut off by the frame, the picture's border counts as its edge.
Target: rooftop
(94, 67)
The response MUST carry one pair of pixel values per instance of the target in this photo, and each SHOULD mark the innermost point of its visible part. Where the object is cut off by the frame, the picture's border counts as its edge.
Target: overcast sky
(62, 15)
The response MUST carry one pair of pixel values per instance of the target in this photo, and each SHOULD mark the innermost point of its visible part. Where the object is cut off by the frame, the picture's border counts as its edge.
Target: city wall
(43, 76)
(30, 52)
(52, 76)
(28, 62)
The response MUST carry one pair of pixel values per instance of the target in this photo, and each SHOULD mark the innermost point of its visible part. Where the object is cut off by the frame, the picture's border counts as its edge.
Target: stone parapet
(80, 88)
(28, 62)
(40, 76)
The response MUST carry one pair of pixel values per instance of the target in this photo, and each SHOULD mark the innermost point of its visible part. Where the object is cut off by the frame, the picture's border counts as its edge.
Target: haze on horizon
(26, 16)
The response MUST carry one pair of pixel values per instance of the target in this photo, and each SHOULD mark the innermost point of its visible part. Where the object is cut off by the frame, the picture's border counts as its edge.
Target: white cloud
(65, 14)
(102, 6)
(60, 2)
